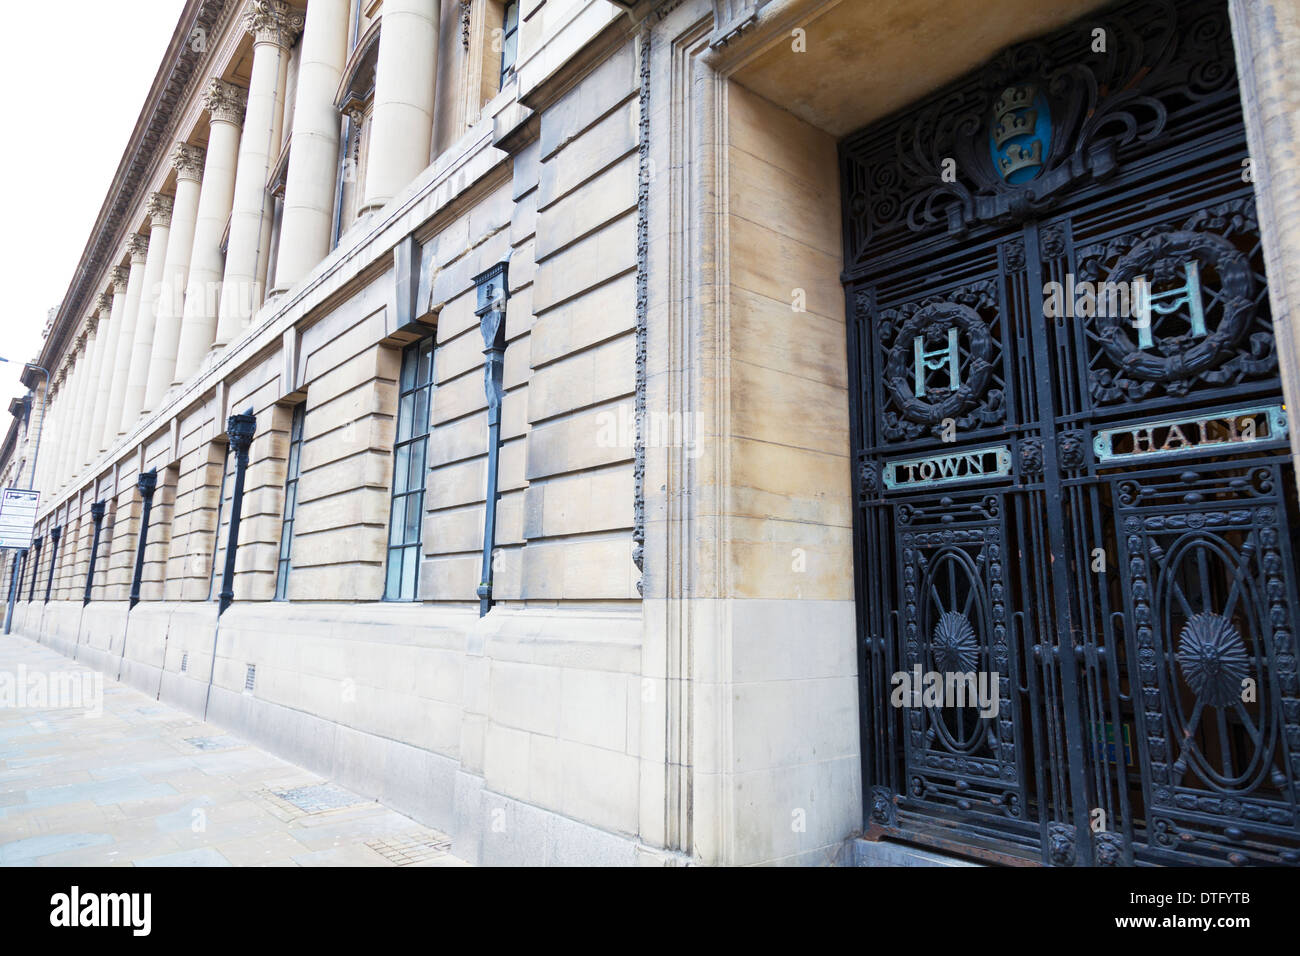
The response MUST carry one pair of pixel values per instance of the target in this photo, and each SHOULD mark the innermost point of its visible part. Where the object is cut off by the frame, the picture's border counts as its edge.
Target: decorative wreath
(1147, 258)
(933, 322)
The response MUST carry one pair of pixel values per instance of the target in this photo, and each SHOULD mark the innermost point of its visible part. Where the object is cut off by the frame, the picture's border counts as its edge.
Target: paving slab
(131, 781)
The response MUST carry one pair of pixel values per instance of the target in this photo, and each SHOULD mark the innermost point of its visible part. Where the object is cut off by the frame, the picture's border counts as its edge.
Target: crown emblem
(1011, 125)
(1019, 132)
(1017, 157)
(1015, 98)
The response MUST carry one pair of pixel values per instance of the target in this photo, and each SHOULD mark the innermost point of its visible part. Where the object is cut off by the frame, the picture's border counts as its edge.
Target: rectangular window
(290, 503)
(217, 549)
(410, 453)
(509, 41)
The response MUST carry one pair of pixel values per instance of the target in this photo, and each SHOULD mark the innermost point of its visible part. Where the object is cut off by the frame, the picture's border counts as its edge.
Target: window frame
(507, 34)
(418, 387)
(289, 513)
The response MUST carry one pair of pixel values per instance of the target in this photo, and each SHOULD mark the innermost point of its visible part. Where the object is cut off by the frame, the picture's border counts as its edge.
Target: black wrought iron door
(1073, 468)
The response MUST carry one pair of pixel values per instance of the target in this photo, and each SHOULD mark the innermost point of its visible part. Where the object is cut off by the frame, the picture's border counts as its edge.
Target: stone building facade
(535, 314)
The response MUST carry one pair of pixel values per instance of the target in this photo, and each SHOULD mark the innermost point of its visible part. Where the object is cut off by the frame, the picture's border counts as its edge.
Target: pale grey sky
(77, 80)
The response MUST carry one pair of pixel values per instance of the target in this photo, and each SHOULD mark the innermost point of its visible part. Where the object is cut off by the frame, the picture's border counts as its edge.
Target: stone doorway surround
(750, 651)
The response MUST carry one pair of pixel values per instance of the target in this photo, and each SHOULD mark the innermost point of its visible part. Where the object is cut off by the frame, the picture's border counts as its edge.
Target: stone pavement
(141, 783)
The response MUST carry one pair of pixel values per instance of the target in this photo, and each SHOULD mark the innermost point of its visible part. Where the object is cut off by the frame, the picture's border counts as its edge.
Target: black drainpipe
(55, 535)
(148, 484)
(240, 429)
(97, 513)
(492, 295)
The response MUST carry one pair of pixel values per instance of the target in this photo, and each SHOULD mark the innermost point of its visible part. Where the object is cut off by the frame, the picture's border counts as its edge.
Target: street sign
(18, 517)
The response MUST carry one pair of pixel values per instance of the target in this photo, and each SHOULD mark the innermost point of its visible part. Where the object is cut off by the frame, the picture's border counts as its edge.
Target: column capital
(225, 101)
(104, 302)
(117, 277)
(137, 247)
(187, 160)
(273, 21)
(159, 207)
(92, 323)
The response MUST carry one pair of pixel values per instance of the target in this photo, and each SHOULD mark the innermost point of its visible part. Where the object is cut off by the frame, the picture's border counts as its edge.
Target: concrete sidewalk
(141, 783)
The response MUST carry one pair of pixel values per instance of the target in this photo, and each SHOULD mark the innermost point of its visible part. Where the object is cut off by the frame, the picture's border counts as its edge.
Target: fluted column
(402, 127)
(96, 332)
(104, 427)
(188, 163)
(313, 162)
(44, 475)
(274, 25)
(76, 384)
(225, 105)
(118, 422)
(99, 390)
(159, 207)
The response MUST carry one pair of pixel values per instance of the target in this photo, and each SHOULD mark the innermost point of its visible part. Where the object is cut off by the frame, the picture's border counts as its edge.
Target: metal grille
(185, 661)
(411, 848)
(250, 676)
(1089, 499)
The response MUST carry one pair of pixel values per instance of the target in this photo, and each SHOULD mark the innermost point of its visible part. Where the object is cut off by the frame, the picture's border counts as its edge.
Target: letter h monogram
(936, 359)
(1146, 302)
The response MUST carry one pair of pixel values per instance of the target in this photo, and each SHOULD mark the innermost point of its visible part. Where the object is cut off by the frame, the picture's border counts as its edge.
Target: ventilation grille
(185, 661)
(411, 848)
(249, 678)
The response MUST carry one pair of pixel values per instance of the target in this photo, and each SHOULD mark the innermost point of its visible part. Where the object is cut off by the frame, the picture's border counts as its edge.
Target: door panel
(1072, 458)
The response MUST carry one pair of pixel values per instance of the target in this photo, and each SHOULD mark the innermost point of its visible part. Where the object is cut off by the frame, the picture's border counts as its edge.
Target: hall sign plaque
(1192, 435)
(971, 464)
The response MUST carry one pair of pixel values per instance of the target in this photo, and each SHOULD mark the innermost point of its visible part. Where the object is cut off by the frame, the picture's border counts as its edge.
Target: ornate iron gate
(1072, 458)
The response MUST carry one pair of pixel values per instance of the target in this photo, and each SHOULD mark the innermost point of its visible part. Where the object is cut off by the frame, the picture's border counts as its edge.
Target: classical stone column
(313, 162)
(225, 104)
(66, 389)
(275, 26)
(188, 163)
(159, 207)
(81, 383)
(96, 332)
(402, 126)
(118, 422)
(1266, 36)
(76, 384)
(99, 394)
(105, 425)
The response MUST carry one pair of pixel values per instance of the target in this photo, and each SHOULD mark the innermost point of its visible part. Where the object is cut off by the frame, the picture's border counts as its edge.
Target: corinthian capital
(118, 276)
(137, 246)
(159, 207)
(104, 303)
(225, 101)
(273, 21)
(187, 160)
